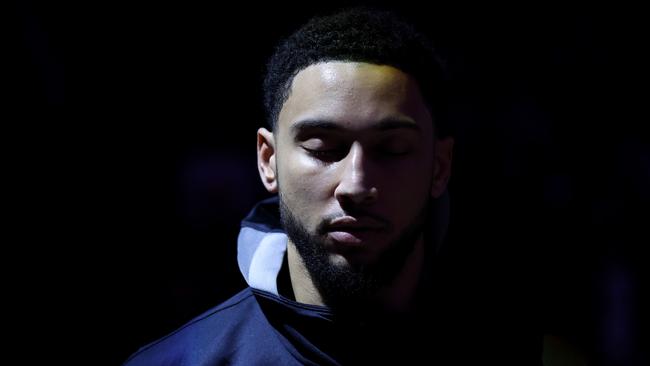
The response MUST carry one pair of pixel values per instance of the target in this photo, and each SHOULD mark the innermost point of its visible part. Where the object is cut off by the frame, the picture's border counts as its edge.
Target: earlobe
(442, 159)
(266, 159)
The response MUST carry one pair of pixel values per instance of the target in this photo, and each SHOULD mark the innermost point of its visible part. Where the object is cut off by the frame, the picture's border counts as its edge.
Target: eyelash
(321, 153)
(332, 153)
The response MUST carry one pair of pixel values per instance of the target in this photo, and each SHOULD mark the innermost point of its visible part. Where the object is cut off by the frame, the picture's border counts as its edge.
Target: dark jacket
(259, 326)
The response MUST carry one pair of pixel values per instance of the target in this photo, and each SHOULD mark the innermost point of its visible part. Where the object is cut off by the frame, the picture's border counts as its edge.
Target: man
(340, 264)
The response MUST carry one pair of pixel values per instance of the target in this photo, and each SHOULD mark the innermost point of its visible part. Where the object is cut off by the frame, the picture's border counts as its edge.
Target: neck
(399, 296)
(303, 286)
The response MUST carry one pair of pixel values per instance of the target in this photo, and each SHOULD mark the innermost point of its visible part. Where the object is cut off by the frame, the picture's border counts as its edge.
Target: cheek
(408, 174)
(305, 184)
(407, 189)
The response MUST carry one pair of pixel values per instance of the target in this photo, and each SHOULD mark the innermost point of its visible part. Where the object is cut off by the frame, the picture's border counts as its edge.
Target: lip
(353, 237)
(354, 232)
(356, 224)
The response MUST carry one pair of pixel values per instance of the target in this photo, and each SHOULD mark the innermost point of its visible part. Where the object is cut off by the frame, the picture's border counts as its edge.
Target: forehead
(353, 95)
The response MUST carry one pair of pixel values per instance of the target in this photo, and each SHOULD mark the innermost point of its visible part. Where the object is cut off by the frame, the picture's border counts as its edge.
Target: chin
(339, 260)
(351, 260)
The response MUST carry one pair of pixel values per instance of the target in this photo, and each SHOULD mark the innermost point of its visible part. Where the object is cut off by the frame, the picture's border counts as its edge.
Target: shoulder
(206, 337)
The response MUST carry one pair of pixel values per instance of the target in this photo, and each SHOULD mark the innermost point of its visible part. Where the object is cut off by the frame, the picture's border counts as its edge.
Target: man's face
(354, 162)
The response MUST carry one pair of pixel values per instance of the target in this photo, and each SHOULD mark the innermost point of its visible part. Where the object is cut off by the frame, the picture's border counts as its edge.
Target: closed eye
(326, 155)
(396, 147)
(390, 152)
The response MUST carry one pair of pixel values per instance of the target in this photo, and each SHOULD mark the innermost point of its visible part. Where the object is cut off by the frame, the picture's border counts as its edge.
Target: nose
(355, 187)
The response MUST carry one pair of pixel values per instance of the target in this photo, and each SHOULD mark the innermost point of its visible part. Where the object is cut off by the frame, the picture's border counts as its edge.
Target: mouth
(353, 237)
(355, 232)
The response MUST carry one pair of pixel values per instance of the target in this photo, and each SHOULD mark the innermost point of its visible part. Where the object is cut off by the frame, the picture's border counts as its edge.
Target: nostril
(364, 196)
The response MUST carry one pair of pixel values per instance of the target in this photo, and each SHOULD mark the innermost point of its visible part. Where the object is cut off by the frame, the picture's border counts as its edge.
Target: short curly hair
(358, 34)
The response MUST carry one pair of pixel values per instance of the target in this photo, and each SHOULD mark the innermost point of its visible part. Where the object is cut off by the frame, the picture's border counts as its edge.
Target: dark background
(136, 162)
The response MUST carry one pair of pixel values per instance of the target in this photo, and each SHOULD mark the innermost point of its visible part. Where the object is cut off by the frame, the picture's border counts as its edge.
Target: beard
(348, 286)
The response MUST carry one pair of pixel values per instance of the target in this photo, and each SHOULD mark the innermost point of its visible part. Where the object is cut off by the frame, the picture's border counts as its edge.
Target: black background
(134, 161)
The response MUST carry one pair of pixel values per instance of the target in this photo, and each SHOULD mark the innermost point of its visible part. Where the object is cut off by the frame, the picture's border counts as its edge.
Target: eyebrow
(383, 125)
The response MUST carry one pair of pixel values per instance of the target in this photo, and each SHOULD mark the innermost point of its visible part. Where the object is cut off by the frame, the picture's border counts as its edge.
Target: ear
(443, 152)
(266, 159)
